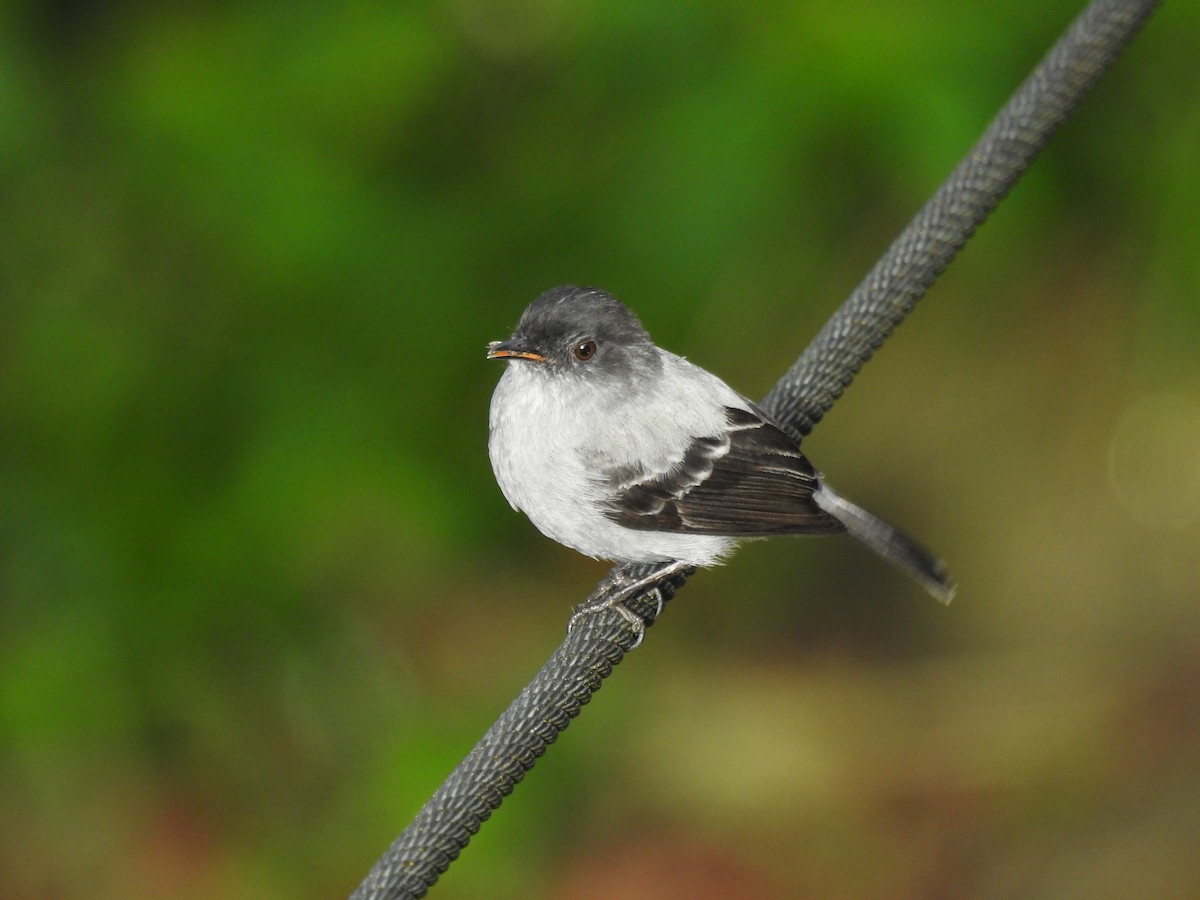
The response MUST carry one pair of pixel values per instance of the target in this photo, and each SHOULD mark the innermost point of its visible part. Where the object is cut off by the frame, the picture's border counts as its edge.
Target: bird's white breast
(550, 436)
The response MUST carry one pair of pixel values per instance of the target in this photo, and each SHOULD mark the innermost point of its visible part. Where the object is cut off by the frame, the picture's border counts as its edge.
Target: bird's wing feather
(750, 480)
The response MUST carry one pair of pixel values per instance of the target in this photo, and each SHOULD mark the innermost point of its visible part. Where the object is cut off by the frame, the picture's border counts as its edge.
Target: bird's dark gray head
(580, 329)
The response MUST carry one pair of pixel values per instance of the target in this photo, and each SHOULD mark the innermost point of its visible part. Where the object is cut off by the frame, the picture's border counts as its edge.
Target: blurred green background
(259, 592)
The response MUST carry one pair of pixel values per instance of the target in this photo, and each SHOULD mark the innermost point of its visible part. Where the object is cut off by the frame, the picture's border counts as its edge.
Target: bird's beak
(512, 349)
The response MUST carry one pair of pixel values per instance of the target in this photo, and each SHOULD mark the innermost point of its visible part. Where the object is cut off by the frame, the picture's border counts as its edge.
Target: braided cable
(802, 396)
(944, 224)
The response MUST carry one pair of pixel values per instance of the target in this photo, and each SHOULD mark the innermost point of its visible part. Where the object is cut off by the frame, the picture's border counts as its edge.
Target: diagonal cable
(801, 397)
(966, 198)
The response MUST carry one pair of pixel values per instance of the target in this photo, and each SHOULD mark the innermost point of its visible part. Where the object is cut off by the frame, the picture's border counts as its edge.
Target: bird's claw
(617, 604)
(615, 592)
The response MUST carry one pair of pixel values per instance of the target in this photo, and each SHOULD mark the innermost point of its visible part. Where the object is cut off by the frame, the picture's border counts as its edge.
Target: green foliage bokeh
(259, 592)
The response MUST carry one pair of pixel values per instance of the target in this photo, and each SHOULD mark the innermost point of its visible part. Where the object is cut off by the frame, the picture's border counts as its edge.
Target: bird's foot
(619, 587)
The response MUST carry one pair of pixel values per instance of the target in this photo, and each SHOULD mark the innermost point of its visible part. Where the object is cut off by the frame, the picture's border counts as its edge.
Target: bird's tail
(898, 549)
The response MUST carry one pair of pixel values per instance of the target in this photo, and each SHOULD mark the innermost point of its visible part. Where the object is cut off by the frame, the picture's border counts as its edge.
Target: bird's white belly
(539, 451)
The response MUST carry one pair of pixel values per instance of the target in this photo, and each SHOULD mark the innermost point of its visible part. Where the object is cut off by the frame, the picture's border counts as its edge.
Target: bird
(626, 452)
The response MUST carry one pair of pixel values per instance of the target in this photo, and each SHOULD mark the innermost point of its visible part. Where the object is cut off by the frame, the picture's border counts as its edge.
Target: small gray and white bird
(626, 452)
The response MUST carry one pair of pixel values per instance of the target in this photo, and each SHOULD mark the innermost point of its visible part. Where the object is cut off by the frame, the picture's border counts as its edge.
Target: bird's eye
(584, 350)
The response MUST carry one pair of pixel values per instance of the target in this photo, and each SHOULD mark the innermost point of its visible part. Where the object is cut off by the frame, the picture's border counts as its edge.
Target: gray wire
(966, 198)
(802, 396)
(510, 747)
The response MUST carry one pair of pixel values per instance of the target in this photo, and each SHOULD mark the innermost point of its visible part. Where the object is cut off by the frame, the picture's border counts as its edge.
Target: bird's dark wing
(751, 480)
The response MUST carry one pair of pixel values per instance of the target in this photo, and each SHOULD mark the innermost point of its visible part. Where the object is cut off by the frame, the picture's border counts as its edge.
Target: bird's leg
(618, 588)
